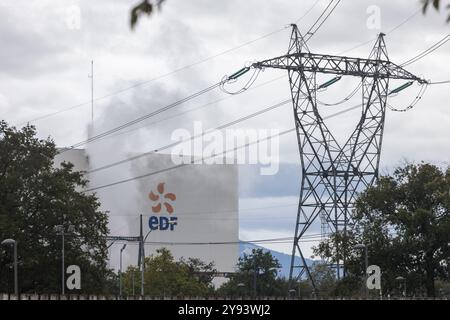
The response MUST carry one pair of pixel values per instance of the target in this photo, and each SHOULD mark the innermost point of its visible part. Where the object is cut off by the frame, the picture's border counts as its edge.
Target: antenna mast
(92, 92)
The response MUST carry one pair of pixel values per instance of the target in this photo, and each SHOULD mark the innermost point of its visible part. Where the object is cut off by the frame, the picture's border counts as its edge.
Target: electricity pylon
(332, 175)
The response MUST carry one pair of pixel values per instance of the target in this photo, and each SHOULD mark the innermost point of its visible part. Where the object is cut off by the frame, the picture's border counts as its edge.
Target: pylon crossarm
(339, 65)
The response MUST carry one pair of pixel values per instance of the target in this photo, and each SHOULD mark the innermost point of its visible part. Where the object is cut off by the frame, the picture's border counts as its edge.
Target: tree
(166, 277)
(435, 4)
(324, 279)
(262, 264)
(146, 7)
(34, 198)
(405, 222)
(202, 271)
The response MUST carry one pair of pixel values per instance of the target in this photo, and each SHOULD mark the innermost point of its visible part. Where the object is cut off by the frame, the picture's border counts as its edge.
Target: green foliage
(242, 282)
(435, 4)
(405, 221)
(145, 7)
(166, 277)
(443, 288)
(324, 279)
(349, 286)
(34, 198)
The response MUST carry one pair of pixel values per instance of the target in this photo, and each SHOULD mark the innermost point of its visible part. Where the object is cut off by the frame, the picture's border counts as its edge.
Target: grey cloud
(26, 52)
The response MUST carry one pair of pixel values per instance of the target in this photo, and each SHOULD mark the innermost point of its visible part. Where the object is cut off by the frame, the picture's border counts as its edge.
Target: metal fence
(25, 296)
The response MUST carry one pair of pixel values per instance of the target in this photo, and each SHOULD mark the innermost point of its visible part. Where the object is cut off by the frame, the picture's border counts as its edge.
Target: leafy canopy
(34, 198)
(405, 222)
(166, 277)
(264, 266)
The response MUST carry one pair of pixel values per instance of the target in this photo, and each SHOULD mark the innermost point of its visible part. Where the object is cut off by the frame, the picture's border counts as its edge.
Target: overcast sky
(46, 51)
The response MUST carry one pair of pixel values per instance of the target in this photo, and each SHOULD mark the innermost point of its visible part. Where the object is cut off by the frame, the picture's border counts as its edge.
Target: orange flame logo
(161, 198)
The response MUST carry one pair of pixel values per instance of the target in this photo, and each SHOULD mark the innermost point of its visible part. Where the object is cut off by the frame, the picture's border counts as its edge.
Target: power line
(226, 242)
(416, 100)
(164, 75)
(202, 134)
(106, 133)
(310, 33)
(426, 52)
(348, 97)
(119, 91)
(249, 42)
(221, 127)
(216, 243)
(358, 46)
(212, 87)
(116, 230)
(191, 110)
(197, 63)
(184, 164)
(389, 32)
(219, 84)
(439, 82)
(212, 156)
(221, 211)
(307, 238)
(113, 93)
(307, 11)
(108, 166)
(326, 18)
(415, 13)
(317, 20)
(142, 118)
(262, 241)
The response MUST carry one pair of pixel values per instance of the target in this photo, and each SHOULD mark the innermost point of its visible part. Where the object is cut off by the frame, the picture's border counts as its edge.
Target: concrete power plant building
(192, 210)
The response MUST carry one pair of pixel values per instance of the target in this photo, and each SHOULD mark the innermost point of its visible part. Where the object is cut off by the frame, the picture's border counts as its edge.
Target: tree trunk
(429, 280)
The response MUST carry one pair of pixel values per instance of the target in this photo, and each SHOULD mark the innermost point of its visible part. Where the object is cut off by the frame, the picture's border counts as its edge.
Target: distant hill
(284, 259)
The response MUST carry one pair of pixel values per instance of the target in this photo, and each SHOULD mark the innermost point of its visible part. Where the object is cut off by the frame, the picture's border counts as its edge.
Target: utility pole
(60, 229)
(333, 174)
(366, 265)
(254, 276)
(63, 285)
(16, 281)
(141, 254)
(141, 251)
(120, 271)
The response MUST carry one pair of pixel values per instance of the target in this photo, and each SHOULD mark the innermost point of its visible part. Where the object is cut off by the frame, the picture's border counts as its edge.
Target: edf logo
(162, 202)
(162, 223)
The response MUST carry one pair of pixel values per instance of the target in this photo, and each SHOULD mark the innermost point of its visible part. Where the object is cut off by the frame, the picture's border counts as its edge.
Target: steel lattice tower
(332, 175)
